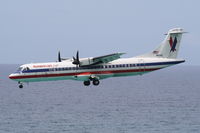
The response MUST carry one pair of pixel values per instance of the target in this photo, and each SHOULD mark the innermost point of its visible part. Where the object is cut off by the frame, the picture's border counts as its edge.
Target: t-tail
(169, 47)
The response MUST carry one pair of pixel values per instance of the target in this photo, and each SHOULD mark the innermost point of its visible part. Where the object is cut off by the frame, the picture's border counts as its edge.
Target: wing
(107, 58)
(98, 60)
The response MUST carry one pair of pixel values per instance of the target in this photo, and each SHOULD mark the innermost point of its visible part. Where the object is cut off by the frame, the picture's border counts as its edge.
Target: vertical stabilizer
(170, 46)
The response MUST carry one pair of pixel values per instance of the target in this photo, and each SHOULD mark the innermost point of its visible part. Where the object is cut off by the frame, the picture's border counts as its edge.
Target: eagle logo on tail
(172, 43)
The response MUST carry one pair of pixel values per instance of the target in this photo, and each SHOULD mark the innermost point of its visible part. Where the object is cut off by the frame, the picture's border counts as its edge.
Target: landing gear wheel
(20, 86)
(96, 82)
(86, 83)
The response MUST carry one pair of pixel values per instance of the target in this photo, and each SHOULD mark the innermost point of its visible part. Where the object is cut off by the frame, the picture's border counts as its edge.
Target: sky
(35, 30)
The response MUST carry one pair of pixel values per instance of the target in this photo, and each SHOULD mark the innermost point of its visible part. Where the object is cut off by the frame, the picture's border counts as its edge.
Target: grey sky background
(35, 30)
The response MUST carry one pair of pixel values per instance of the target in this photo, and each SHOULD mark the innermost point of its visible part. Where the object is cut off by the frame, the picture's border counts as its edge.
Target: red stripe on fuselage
(82, 73)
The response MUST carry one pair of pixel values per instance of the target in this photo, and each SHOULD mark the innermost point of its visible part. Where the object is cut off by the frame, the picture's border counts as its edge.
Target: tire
(96, 82)
(86, 83)
(20, 86)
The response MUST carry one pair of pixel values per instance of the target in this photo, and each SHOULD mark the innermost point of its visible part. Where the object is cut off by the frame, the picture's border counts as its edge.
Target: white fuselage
(66, 70)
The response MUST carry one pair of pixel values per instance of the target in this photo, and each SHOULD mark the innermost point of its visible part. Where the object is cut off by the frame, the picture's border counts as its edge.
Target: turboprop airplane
(94, 69)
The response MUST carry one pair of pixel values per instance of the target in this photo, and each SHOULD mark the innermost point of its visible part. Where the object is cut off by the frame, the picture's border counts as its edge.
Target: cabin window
(96, 67)
(83, 68)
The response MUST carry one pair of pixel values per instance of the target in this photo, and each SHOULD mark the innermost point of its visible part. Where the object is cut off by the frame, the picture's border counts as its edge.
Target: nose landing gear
(20, 85)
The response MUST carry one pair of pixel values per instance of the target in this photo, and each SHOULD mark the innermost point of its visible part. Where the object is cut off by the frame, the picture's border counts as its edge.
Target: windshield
(19, 70)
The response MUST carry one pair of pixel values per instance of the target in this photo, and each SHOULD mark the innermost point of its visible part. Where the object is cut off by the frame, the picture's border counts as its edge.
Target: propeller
(76, 60)
(59, 57)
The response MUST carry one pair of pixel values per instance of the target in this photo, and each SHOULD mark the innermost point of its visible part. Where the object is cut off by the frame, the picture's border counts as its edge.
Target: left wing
(100, 59)
(107, 58)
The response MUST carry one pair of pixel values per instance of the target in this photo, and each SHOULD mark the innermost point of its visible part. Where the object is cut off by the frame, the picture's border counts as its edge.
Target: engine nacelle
(86, 61)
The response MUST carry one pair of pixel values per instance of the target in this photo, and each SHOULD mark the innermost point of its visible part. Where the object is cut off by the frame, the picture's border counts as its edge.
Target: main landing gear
(86, 83)
(20, 85)
(95, 82)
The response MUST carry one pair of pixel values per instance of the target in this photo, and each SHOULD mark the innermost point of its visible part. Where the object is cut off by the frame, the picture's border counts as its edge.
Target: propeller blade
(59, 57)
(74, 58)
(77, 57)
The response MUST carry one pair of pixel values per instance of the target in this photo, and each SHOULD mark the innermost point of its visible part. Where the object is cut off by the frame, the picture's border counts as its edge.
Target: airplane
(94, 69)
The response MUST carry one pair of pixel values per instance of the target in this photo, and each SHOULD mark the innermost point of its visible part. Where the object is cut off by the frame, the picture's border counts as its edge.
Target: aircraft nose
(11, 76)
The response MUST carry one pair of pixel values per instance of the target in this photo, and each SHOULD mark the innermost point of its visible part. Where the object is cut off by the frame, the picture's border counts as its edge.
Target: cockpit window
(19, 69)
(26, 69)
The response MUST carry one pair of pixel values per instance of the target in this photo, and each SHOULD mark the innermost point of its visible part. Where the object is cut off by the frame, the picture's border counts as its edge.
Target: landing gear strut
(20, 85)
